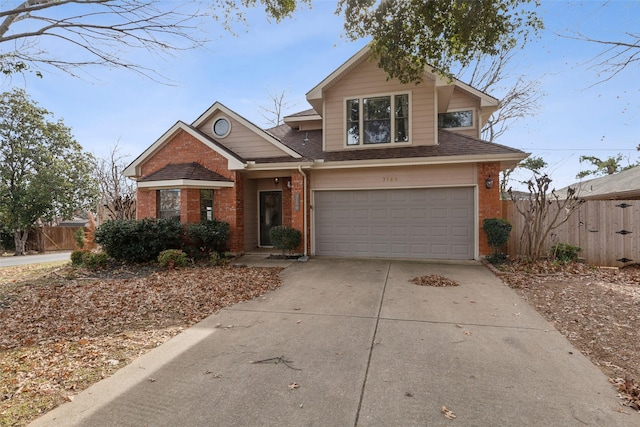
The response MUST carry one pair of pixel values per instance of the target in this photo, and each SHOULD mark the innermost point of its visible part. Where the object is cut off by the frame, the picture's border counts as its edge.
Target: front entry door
(270, 214)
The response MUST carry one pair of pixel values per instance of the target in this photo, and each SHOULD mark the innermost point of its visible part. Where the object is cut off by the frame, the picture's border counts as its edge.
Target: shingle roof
(309, 144)
(192, 171)
(622, 185)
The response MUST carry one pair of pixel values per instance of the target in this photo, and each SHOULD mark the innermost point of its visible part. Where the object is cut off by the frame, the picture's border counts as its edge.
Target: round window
(221, 127)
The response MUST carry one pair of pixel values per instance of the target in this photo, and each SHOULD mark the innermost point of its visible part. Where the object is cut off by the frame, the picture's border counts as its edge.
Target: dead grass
(597, 309)
(65, 329)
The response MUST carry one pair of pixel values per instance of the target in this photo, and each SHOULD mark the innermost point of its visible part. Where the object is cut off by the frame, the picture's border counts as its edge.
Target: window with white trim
(377, 119)
(456, 119)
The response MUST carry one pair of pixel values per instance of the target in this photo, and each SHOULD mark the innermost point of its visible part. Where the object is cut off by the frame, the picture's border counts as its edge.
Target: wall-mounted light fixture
(289, 184)
(488, 182)
(276, 180)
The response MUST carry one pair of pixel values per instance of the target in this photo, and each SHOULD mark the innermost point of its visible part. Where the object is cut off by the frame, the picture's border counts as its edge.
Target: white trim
(217, 106)
(392, 118)
(134, 169)
(184, 183)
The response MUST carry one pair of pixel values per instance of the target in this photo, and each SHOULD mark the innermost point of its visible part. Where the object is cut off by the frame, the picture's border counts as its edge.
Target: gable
(244, 138)
(182, 144)
(368, 80)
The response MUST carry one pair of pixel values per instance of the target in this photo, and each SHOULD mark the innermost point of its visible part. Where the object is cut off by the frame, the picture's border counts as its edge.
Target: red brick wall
(489, 205)
(297, 218)
(228, 207)
(147, 204)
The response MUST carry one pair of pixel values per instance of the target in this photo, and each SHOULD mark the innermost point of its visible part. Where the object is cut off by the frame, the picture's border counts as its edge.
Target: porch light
(488, 182)
(276, 181)
(289, 184)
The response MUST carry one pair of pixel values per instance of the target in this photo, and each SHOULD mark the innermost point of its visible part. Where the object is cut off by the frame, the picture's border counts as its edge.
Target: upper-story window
(377, 119)
(456, 119)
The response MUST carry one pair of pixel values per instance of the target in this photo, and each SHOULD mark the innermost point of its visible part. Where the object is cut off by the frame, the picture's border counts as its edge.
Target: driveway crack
(373, 343)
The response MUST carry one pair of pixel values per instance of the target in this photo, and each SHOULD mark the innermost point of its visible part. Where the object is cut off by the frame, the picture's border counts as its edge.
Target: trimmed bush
(138, 240)
(285, 238)
(89, 259)
(172, 258)
(206, 238)
(77, 258)
(497, 231)
(565, 252)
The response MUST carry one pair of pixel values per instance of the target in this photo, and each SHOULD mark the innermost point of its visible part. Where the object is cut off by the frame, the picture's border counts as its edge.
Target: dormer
(361, 108)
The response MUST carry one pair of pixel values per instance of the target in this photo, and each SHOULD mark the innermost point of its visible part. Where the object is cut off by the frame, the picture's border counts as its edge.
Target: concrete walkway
(363, 347)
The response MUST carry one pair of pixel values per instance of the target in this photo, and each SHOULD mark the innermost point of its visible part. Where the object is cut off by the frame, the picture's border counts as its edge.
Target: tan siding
(365, 80)
(394, 177)
(461, 100)
(242, 141)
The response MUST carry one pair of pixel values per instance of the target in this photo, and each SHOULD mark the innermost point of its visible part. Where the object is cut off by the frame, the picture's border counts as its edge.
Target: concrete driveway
(363, 347)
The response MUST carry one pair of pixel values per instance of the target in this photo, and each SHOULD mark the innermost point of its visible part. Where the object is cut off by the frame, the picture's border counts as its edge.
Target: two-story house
(375, 168)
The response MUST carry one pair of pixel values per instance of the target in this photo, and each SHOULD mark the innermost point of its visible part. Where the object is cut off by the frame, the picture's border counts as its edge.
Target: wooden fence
(608, 231)
(52, 239)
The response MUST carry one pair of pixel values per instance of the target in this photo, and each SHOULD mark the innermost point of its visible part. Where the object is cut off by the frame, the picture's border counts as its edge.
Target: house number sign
(389, 179)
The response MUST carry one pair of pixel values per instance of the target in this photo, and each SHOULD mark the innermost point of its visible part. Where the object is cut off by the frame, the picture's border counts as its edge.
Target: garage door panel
(416, 223)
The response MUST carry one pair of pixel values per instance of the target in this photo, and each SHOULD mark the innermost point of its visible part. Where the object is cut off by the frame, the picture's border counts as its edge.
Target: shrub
(93, 260)
(285, 238)
(497, 231)
(218, 260)
(206, 237)
(79, 237)
(89, 259)
(172, 258)
(77, 258)
(565, 252)
(138, 240)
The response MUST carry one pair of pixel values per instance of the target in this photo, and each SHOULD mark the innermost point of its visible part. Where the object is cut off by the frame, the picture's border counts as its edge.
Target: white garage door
(413, 223)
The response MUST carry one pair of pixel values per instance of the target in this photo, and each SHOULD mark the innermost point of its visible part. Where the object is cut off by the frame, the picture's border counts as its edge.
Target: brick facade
(297, 216)
(183, 148)
(489, 205)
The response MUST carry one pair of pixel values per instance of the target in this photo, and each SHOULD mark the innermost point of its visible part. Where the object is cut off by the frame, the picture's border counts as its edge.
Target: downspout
(304, 208)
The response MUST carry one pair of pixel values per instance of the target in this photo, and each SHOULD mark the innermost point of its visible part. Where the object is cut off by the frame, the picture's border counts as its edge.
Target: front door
(270, 214)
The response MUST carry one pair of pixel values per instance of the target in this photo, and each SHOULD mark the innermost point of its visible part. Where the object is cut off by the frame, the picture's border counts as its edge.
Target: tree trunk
(20, 239)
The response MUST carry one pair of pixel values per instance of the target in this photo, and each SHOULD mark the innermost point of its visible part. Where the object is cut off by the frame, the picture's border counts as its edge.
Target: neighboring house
(375, 169)
(623, 185)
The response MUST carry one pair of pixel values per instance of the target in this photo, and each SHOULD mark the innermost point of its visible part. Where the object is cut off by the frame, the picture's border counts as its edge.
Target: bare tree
(543, 212)
(616, 54)
(105, 32)
(117, 193)
(489, 73)
(274, 112)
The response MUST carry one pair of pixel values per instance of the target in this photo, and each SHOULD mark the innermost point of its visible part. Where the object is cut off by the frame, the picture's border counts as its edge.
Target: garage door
(411, 223)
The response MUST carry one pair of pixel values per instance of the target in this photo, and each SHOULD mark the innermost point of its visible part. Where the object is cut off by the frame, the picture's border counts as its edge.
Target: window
(169, 203)
(206, 205)
(377, 120)
(456, 119)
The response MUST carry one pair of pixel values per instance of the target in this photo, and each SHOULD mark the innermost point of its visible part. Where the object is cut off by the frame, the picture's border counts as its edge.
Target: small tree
(539, 217)
(285, 238)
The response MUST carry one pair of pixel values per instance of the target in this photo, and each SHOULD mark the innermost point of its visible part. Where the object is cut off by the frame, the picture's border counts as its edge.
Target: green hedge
(138, 240)
(205, 238)
(285, 238)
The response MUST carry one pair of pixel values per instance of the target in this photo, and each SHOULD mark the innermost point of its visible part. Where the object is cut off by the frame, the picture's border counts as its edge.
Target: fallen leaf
(447, 413)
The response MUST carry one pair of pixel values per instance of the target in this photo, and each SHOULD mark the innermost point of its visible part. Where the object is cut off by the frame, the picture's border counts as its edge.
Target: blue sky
(576, 116)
